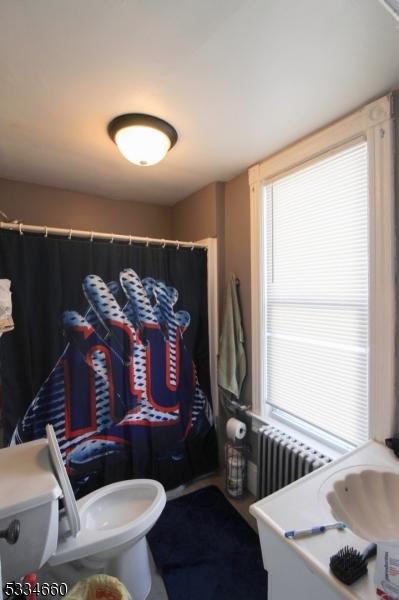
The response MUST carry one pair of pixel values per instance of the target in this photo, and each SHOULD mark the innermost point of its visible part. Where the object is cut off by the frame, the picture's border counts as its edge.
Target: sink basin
(368, 502)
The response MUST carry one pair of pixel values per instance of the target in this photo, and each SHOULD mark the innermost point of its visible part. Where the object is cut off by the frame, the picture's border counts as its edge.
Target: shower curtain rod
(98, 235)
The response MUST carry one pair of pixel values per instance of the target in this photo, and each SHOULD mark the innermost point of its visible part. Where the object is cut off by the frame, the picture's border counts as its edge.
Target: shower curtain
(111, 347)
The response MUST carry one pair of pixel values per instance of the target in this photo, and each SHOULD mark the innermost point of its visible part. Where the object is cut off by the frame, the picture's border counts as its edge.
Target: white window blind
(316, 293)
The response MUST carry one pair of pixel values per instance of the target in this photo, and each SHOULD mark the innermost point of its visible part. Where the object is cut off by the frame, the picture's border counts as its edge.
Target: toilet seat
(71, 509)
(93, 539)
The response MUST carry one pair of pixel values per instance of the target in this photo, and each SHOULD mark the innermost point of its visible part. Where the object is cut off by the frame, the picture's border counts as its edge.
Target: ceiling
(238, 79)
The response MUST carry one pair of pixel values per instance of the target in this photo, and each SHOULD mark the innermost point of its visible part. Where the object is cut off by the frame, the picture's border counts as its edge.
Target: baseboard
(252, 477)
(182, 488)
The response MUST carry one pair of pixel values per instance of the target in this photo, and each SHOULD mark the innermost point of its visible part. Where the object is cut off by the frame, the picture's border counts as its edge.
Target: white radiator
(282, 459)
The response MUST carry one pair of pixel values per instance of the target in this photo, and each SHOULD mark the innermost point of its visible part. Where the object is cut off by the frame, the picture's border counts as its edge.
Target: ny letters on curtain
(111, 347)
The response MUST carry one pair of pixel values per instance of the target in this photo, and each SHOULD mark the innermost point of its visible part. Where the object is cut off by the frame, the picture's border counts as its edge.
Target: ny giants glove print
(125, 389)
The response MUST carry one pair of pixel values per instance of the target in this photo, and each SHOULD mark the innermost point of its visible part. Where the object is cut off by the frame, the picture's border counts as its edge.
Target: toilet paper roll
(235, 468)
(235, 487)
(235, 429)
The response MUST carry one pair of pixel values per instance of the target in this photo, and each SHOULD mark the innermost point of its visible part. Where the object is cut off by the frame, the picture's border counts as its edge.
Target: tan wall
(237, 256)
(200, 215)
(42, 205)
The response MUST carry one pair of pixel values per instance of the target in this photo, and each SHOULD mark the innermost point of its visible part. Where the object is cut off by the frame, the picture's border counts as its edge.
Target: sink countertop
(303, 504)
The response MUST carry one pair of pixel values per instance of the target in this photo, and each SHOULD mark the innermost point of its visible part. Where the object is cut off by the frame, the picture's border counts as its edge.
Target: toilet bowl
(104, 531)
(113, 523)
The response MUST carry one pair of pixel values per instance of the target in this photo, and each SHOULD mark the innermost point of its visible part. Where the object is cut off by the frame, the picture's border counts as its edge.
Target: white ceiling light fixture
(392, 7)
(143, 139)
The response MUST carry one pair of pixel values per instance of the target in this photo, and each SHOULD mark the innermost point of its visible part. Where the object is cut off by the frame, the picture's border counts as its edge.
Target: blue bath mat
(206, 551)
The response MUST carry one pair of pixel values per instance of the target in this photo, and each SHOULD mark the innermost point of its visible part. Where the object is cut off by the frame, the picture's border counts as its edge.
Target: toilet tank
(29, 492)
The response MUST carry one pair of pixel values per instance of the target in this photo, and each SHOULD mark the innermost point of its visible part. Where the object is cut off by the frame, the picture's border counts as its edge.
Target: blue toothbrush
(297, 533)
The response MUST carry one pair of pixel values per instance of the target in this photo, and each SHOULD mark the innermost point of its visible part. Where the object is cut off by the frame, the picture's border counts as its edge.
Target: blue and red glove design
(125, 386)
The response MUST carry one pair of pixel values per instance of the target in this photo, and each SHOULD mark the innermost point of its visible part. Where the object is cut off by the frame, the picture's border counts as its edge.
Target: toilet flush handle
(11, 534)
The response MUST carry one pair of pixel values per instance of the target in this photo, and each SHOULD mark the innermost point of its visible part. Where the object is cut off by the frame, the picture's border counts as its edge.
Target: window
(322, 279)
(315, 255)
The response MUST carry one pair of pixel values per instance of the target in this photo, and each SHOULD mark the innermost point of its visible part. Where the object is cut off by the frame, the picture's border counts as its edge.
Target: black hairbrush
(349, 564)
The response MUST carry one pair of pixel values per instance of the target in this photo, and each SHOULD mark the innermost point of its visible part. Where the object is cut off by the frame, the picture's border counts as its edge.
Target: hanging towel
(232, 365)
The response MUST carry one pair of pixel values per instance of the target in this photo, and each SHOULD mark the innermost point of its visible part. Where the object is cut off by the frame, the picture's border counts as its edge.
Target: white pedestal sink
(362, 489)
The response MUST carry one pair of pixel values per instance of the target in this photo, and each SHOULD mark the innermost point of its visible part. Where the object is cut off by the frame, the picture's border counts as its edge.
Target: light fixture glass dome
(143, 146)
(143, 139)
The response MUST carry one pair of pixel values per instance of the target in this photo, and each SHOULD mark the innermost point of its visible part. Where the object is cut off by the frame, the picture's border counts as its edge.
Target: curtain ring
(92, 236)
(163, 244)
(111, 241)
(130, 240)
(178, 245)
(20, 229)
(45, 231)
(70, 234)
(147, 243)
(192, 247)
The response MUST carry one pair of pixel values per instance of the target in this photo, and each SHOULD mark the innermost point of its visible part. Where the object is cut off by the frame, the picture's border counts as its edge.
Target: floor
(158, 591)
(218, 479)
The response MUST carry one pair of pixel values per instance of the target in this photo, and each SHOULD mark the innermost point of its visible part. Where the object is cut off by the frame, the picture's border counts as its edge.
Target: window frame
(375, 124)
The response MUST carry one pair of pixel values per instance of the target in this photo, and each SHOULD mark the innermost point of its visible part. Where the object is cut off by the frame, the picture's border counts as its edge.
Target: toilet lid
(71, 508)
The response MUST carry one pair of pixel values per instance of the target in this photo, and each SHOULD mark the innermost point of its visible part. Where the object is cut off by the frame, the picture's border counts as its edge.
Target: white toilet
(104, 531)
